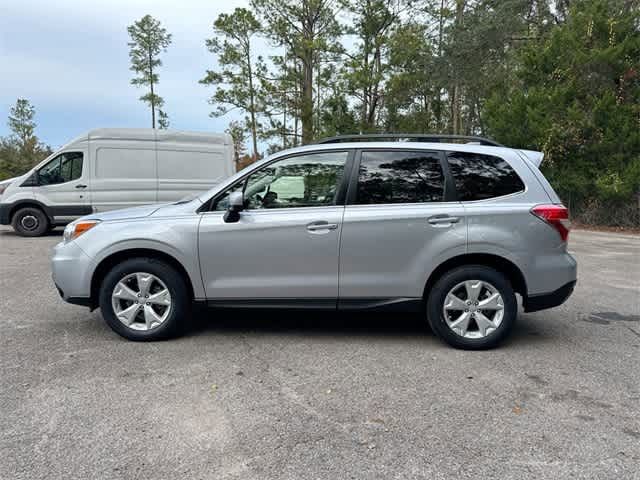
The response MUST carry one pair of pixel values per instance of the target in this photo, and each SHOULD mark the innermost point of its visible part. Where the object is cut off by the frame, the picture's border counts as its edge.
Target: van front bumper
(5, 210)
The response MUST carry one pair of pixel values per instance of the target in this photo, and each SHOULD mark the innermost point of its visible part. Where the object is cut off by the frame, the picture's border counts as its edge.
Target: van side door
(124, 174)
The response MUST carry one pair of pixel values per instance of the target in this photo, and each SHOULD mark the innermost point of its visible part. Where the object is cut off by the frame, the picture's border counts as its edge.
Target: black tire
(30, 222)
(180, 311)
(438, 294)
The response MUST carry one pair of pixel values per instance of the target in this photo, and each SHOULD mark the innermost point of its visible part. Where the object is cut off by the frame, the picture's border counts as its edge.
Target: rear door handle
(322, 225)
(81, 186)
(441, 219)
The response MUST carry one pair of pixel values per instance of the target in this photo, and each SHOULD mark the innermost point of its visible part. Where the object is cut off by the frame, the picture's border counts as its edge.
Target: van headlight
(75, 229)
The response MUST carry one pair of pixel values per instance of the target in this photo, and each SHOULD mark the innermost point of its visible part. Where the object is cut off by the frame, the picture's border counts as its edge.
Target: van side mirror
(236, 205)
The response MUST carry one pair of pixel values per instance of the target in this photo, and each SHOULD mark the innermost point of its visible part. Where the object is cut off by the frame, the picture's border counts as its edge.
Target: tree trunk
(284, 102)
(296, 105)
(456, 100)
(153, 98)
(306, 113)
(252, 106)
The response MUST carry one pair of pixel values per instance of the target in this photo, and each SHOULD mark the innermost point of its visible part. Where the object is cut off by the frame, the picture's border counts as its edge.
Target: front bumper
(71, 270)
(543, 301)
(5, 210)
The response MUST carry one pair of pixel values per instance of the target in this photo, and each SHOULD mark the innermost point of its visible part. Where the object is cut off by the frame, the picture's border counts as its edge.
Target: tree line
(561, 76)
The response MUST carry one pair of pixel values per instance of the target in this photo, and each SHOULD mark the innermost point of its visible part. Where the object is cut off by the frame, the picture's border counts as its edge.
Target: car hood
(167, 209)
(125, 213)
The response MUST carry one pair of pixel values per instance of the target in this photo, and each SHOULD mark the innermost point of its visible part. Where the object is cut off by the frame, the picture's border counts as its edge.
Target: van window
(478, 177)
(397, 176)
(125, 163)
(63, 168)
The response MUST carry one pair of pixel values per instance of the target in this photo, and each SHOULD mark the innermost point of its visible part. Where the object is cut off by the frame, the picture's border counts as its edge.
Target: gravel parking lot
(260, 395)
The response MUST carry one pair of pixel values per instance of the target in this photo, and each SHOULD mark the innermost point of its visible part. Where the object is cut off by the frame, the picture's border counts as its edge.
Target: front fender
(176, 237)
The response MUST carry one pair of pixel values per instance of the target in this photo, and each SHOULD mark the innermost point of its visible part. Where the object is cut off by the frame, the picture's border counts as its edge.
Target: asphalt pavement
(266, 395)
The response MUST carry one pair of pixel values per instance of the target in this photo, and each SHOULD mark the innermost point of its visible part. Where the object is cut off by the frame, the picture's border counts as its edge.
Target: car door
(284, 249)
(401, 220)
(63, 186)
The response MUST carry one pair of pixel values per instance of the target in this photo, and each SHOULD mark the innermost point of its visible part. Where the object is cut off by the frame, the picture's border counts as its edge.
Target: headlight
(4, 186)
(75, 229)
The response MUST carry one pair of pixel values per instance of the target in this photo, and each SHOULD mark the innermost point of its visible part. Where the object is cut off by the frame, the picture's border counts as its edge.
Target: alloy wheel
(473, 309)
(141, 301)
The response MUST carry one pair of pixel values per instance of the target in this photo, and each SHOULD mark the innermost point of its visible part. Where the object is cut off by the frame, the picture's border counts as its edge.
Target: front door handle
(81, 186)
(441, 219)
(322, 225)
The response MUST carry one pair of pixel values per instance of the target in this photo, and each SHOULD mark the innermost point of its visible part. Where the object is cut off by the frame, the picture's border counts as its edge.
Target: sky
(70, 59)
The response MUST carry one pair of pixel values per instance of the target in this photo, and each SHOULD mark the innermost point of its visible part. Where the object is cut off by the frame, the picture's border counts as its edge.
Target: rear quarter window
(478, 176)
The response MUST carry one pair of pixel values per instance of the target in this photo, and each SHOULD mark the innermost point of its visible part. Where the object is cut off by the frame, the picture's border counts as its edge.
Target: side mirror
(236, 205)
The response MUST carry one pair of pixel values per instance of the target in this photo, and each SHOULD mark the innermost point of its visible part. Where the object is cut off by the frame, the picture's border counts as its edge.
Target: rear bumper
(543, 301)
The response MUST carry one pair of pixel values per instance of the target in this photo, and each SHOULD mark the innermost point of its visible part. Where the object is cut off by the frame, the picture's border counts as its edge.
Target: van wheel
(472, 307)
(30, 222)
(145, 299)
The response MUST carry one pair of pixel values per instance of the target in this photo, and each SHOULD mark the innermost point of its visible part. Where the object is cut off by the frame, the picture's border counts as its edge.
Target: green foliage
(21, 121)
(237, 83)
(366, 69)
(21, 150)
(148, 40)
(309, 31)
(576, 96)
(163, 120)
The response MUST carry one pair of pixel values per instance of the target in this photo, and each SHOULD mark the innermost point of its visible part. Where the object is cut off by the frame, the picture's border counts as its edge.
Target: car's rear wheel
(145, 299)
(472, 307)
(30, 222)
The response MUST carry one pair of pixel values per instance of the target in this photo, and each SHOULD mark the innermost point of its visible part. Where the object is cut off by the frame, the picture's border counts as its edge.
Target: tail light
(555, 215)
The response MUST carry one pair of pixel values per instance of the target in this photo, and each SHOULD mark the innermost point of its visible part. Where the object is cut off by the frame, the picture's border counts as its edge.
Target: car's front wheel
(472, 307)
(145, 299)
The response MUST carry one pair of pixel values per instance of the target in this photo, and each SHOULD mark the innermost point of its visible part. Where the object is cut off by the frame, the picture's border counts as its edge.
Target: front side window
(400, 177)
(310, 180)
(478, 176)
(63, 168)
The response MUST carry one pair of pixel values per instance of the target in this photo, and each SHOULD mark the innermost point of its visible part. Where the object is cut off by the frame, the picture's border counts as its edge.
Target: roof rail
(407, 137)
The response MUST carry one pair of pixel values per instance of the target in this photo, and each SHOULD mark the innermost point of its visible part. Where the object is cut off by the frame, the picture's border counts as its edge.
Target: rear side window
(400, 177)
(478, 177)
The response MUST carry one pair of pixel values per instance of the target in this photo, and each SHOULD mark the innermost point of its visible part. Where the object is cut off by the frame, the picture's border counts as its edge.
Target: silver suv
(452, 230)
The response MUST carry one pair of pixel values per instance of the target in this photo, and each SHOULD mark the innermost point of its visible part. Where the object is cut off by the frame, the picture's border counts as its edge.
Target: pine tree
(148, 40)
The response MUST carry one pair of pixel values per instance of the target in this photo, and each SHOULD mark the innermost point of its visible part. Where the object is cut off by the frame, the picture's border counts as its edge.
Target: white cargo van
(113, 168)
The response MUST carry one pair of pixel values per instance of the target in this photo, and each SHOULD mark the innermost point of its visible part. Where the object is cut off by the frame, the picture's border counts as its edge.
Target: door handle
(81, 186)
(315, 226)
(441, 219)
